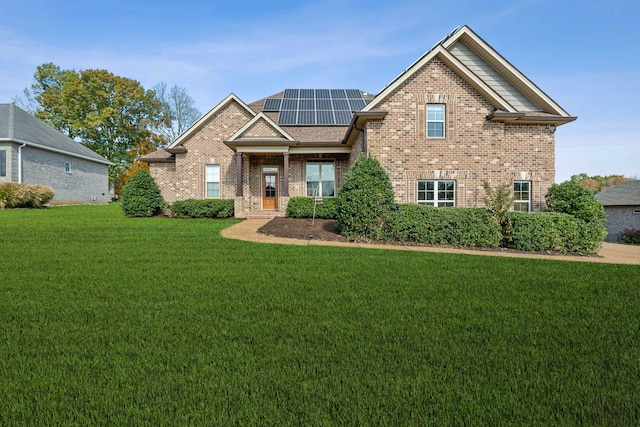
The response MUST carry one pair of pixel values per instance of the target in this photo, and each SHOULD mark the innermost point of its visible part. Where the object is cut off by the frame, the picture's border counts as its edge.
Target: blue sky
(584, 54)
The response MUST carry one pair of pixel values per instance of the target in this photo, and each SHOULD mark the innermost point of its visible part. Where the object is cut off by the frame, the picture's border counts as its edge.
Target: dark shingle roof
(19, 126)
(624, 194)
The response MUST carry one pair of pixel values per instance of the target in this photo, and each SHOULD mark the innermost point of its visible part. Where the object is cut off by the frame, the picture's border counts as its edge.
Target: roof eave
(522, 118)
(359, 120)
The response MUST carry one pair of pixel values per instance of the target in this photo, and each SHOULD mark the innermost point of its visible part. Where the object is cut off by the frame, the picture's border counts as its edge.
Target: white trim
(262, 174)
(435, 191)
(196, 125)
(261, 149)
(55, 150)
(206, 181)
(318, 150)
(251, 122)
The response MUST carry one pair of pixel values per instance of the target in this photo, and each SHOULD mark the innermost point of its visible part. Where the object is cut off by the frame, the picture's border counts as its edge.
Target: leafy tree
(108, 113)
(571, 198)
(499, 200)
(365, 200)
(141, 196)
(178, 111)
(598, 183)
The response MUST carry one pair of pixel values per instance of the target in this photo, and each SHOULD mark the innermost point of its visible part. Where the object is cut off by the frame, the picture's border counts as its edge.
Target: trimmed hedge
(14, 195)
(302, 207)
(445, 226)
(141, 196)
(365, 201)
(208, 208)
(552, 231)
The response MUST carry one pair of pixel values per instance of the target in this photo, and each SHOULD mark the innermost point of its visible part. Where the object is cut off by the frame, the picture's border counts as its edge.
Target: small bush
(552, 231)
(499, 200)
(365, 200)
(630, 235)
(447, 226)
(141, 196)
(571, 198)
(302, 207)
(208, 208)
(14, 195)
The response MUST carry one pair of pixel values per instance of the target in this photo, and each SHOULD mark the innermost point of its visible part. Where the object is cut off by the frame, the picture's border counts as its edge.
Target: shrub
(449, 226)
(630, 235)
(499, 200)
(14, 195)
(141, 196)
(302, 207)
(365, 200)
(209, 208)
(552, 231)
(571, 198)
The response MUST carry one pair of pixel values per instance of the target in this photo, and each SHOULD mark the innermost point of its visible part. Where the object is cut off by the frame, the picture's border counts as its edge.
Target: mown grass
(108, 320)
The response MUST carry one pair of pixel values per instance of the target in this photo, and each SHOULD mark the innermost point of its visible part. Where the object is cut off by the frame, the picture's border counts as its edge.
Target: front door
(269, 191)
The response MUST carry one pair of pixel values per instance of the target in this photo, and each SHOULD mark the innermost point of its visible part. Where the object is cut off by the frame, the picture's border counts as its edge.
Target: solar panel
(291, 93)
(272, 104)
(325, 107)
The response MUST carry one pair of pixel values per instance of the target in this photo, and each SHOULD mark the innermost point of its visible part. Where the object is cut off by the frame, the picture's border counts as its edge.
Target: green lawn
(114, 321)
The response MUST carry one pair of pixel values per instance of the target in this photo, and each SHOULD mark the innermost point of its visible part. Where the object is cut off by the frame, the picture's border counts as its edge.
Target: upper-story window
(522, 196)
(435, 120)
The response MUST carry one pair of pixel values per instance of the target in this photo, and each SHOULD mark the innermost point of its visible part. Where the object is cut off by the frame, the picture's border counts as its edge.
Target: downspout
(364, 137)
(20, 162)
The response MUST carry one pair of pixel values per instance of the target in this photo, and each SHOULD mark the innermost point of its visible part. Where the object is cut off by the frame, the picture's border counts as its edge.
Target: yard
(110, 320)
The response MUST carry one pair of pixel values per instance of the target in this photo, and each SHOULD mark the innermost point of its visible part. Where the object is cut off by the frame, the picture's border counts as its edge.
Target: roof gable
(261, 127)
(487, 71)
(231, 98)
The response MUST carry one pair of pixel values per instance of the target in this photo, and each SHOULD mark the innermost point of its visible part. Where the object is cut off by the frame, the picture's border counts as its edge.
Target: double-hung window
(67, 167)
(522, 196)
(320, 177)
(438, 193)
(435, 120)
(213, 181)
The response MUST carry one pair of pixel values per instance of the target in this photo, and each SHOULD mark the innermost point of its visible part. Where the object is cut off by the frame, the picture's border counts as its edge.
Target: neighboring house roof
(16, 125)
(624, 194)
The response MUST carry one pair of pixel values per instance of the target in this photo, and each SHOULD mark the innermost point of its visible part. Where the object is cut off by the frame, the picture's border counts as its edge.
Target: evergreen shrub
(302, 207)
(630, 235)
(208, 208)
(447, 226)
(141, 196)
(365, 201)
(571, 198)
(553, 232)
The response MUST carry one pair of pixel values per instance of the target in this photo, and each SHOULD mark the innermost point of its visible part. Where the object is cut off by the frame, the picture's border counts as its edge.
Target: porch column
(238, 174)
(285, 185)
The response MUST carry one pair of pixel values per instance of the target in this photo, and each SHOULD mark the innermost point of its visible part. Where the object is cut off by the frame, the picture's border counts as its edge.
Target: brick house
(457, 117)
(32, 152)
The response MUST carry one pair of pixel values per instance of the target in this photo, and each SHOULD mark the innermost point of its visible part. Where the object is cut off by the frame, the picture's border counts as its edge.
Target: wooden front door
(269, 191)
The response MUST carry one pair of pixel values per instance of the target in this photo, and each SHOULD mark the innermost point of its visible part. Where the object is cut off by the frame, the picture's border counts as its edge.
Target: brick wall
(473, 149)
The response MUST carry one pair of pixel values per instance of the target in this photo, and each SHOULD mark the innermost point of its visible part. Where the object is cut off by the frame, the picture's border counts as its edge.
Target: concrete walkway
(611, 253)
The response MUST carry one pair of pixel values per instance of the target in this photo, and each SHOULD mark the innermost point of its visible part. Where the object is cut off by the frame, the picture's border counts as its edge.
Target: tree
(107, 113)
(598, 183)
(178, 111)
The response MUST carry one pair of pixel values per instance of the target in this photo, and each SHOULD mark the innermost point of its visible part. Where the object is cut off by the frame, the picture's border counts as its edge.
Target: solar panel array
(324, 107)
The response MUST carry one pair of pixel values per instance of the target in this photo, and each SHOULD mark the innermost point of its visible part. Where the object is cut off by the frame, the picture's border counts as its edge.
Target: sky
(583, 54)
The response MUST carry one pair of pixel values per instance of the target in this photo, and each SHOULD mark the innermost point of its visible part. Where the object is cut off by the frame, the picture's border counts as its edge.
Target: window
(321, 179)
(67, 167)
(437, 193)
(3, 162)
(213, 181)
(522, 196)
(435, 120)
